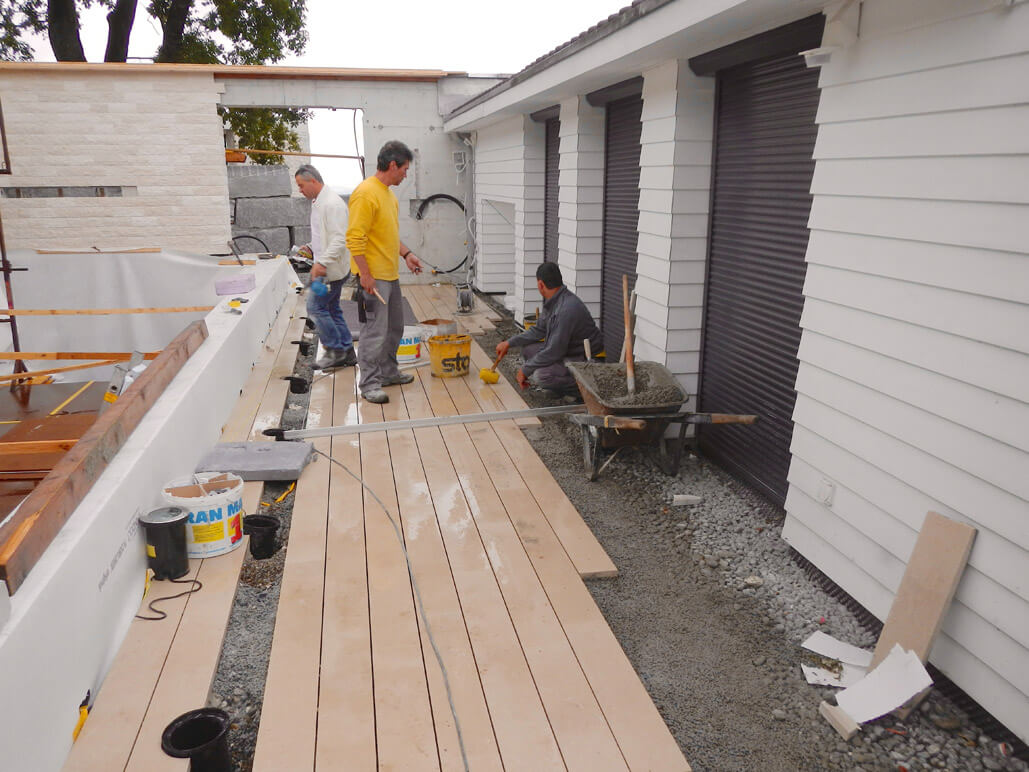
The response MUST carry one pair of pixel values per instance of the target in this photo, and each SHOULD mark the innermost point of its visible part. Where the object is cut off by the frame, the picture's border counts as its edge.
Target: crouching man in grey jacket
(557, 336)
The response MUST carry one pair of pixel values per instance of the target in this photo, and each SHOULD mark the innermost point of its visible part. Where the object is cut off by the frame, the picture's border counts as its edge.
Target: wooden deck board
(345, 696)
(130, 693)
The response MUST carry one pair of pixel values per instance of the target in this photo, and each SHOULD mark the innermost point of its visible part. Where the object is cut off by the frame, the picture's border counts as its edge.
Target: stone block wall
(263, 207)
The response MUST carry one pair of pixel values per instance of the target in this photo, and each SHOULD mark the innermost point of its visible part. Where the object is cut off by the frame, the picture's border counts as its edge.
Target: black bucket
(164, 531)
(261, 529)
(202, 737)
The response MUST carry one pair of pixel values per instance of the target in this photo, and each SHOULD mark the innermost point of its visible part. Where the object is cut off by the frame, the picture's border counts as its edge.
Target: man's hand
(318, 270)
(502, 349)
(414, 265)
(368, 283)
(522, 380)
(305, 252)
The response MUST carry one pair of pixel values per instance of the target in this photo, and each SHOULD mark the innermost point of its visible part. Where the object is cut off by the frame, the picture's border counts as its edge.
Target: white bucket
(410, 348)
(214, 501)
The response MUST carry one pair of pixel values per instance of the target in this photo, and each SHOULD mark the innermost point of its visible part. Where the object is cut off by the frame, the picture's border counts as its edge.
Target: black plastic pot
(164, 531)
(202, 737)
(261, 529)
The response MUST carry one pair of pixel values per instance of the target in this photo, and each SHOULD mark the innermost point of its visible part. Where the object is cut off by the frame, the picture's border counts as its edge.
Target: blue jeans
(328, 317)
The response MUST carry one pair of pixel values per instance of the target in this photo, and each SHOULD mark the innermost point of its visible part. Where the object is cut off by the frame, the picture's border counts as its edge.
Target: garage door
(764, 139)
(551, 171)
(621, 214)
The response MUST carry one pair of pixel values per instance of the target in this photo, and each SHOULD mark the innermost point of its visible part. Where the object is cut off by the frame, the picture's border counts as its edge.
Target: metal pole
(422, 423)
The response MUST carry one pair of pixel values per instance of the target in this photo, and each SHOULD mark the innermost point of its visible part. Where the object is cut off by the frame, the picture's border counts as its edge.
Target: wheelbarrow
(616, 420)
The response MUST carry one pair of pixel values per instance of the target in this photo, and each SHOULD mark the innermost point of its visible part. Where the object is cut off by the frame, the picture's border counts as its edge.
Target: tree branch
(119, 27)
(63, 22)
(174, 27)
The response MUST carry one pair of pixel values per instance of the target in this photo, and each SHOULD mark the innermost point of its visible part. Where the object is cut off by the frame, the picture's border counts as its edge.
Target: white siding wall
(158, 132)
(913, 389)
(499, 177)
(581, 199)
(675, 184)
(529, 219)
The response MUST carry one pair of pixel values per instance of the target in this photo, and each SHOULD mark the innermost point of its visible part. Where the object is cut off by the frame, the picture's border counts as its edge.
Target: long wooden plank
(403, 715)
(431, 569)
(107, 738)
(289, 714)
(638, 727)
(35, 446)
(523, 732)
(54, 370)
(193, 657)
(587, 554)
(345, 692)
(115, 356)
(502, 390)
(101, 311)
(581, 545)
(31, 529)
(579, 724)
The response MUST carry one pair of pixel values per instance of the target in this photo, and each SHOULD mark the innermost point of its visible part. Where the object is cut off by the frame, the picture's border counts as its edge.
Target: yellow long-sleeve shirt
(374, 229)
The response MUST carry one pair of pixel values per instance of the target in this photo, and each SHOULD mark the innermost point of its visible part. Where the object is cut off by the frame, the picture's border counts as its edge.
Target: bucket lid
(164, 516)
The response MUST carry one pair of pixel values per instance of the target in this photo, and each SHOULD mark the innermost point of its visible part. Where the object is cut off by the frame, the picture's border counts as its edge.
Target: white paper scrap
(827, 646)
(849, 675)
(897, 679)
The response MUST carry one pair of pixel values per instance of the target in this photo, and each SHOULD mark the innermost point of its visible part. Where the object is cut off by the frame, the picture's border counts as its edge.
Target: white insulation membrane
(106, 280)
(66, 622)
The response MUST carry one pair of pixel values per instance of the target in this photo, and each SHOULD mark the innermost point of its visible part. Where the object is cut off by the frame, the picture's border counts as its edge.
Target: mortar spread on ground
(655, 386)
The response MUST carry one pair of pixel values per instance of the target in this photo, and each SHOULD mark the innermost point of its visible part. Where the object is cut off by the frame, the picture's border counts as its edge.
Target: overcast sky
(476, 36)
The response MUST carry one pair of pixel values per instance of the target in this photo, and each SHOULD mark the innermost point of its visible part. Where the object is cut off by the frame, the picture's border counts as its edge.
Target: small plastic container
(202, 737)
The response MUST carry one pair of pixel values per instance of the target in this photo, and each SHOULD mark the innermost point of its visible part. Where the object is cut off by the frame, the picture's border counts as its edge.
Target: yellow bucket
(450, 355)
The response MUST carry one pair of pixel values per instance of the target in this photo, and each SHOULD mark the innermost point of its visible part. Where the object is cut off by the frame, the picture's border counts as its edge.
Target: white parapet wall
(67, 620)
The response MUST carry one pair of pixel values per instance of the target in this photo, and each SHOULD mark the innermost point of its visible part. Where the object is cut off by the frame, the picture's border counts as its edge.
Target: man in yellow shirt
(373, 239)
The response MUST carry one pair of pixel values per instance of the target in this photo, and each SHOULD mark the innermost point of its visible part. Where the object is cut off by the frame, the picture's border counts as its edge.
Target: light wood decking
(538, 679)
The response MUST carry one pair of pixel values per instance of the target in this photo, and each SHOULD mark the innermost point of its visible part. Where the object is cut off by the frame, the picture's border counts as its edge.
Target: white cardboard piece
(896, 680)
(849, 675)
(827, 646)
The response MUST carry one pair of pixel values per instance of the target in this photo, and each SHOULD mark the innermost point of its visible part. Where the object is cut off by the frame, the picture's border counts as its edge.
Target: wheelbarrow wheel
(591, 451)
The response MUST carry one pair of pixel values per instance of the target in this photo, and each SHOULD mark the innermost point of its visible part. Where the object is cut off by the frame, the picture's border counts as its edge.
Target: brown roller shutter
(764, 139)
(621, 214)
(551, 165)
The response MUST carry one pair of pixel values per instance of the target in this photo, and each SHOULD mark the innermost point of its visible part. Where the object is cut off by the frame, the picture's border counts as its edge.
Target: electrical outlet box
(460, 159)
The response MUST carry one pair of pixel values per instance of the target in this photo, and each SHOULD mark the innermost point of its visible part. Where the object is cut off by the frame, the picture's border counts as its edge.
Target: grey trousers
(380, 336)
(556, 376)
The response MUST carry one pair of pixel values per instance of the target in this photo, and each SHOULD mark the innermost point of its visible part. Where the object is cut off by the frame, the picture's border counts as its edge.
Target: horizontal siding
(499, 160)
(913, 389)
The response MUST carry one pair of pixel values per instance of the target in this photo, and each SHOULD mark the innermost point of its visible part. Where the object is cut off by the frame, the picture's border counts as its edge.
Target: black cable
(164, 614)
(255, 238)
(436, 197)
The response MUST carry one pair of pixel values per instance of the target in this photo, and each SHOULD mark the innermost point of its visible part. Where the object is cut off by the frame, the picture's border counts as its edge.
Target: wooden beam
(35, 446)
(114, 356)
(30, 530)
(100, 311)
(67, 369)
(97, 250)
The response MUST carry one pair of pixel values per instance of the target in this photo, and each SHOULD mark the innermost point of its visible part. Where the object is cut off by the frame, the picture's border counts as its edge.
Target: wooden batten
(33, 527)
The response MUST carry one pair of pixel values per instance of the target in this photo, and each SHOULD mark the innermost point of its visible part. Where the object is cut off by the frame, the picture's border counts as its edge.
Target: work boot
(392, 380)
(349, 358)
(332, 358)
(376, 396)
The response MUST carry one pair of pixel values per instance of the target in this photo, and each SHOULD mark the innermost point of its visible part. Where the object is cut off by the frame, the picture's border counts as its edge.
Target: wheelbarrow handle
(609, 421)
(720, 418)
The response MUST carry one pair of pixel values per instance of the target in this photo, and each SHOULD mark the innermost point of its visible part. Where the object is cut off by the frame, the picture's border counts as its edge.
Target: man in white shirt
(331, 264)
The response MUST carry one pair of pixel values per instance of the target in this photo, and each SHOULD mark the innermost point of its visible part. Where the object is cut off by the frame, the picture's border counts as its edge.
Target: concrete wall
(408, 111)
(157, 135)
(913, 389)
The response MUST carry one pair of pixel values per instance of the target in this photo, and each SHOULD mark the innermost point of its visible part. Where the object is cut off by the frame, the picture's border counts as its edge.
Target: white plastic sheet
(117, 280)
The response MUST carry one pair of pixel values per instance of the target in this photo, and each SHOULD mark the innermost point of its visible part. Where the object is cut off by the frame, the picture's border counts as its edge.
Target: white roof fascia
(678, 30)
